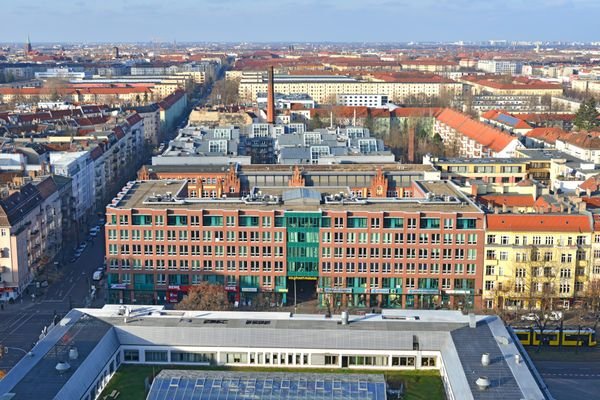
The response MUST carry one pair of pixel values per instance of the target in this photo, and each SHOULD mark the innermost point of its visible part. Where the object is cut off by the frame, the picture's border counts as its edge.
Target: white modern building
(79, 356)
(78, 166)
(500, 67)
(362, 100)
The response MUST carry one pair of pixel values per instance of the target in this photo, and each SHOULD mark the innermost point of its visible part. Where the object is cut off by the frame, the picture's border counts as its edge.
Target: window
(156, 356)
(131, 355)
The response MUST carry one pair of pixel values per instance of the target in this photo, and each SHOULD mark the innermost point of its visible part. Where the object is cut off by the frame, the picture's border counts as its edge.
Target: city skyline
(328, 21)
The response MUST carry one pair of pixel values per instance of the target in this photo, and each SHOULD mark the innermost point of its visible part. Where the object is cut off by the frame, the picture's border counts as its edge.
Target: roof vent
(482, 382)
(73, 353)
(472, 321)
(344, 317)
(62, 367)
(503, 340)
(518, 358)
(485, 359)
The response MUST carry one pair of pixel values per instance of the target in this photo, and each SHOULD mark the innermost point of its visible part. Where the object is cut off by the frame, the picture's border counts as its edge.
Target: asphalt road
(22, 323)
(571, 380)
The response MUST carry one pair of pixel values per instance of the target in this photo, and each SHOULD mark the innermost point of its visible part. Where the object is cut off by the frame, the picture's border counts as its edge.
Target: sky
(299, 20)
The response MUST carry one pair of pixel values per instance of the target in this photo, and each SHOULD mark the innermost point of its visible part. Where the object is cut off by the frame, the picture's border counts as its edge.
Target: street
(22, 323)
(69, 287)
(570, 380)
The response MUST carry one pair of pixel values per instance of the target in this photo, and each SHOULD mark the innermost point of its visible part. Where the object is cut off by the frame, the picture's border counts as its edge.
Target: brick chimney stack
(411, 144)
(271, 97)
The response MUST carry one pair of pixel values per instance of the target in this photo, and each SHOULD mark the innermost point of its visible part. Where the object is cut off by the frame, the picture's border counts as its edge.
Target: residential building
(538, 261)
(325, 88)
(79, 166)
(500, 67)
(171, 109)
(472, 138)
(30, 233)
(362, 100)
(152, 126)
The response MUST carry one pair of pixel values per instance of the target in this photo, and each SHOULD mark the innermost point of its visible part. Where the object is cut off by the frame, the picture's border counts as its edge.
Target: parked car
(554, 316)
(529, 317)
(98, 275)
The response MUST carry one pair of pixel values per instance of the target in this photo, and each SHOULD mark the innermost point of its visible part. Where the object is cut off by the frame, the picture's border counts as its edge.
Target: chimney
(271, 97)
(411, 144)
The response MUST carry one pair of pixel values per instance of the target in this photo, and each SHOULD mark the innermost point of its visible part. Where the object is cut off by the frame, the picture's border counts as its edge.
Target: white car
(529, 317)
(554, 316)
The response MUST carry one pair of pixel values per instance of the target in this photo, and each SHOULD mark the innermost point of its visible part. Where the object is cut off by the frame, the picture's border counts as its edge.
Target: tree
(591, 296)
(315, 123)
(586, 117)
(225, 91)
(205, 296)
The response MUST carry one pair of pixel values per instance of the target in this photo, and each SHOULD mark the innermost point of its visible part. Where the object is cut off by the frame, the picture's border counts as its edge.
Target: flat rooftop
(160, 194)
(255, 169)
(459, 339)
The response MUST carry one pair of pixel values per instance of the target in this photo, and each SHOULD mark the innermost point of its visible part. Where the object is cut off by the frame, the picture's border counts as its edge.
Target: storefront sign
(458, 291)
(250, 289)
(173, 287)
(423, 291)
(380, 291)
(118, 286)
(231, 288)
(337, 290)
(284, 290)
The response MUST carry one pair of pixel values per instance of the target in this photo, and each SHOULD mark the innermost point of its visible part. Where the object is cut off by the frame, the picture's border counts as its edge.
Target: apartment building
(422, 251)
(30, 233)
(471, 138)
(501, 67)
(325, 89)
(536, 260)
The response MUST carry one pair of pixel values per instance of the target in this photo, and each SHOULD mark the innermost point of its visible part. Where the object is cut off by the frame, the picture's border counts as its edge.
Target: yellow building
(536, 261)
(324, 88)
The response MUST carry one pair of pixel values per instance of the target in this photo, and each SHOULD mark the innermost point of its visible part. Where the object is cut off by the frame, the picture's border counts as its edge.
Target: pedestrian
(2, 306)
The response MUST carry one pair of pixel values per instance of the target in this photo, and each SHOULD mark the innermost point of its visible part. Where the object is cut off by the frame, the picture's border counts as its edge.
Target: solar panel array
(217, 385)
(508, 119)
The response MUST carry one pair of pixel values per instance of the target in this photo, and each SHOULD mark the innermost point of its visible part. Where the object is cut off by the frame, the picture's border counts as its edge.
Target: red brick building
(288, 242)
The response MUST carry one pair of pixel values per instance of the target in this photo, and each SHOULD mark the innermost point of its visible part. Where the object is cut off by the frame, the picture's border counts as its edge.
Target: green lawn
(419, 385)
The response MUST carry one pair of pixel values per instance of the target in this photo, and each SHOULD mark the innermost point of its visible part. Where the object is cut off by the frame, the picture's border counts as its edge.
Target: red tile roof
(538, 223)
(489, 137)
(584, 140)
(592, 183)
(548, 135)
(500, 200)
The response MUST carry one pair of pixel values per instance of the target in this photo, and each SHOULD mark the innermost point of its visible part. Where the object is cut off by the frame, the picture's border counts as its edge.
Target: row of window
(535, 256)
(397, 268)
(537, 287)
(399, 253)
(579, 240)
(387, 283)
(267, 221)
(326, 237)
(197, 265)
(196, 250)
(277, 358)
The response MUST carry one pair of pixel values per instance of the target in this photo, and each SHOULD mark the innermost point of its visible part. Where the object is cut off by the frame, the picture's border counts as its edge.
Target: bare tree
(205, 296)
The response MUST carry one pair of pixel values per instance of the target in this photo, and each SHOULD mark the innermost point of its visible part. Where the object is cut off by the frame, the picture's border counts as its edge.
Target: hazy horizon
(270, 21)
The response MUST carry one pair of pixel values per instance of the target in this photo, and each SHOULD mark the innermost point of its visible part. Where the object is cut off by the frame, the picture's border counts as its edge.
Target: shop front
(175, 293)
(423, 298)
(233, 294)
(247, 296)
